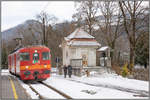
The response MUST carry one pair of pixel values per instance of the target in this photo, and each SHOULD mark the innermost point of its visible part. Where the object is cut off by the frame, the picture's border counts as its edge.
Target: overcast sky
(16, 12)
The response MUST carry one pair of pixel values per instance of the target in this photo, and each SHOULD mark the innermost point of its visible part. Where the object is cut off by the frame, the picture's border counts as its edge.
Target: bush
(117, 69)
(125, 70)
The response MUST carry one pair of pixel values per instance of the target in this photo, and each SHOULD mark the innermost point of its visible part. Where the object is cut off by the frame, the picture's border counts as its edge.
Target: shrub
(117, 69)
(125, 70)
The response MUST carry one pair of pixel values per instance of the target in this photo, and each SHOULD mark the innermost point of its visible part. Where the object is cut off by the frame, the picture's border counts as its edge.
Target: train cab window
(45, 56)
(24, 56)
(36, 56)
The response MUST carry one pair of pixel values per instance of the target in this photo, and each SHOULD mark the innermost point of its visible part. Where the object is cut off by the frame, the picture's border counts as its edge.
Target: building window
(73, 52)
(67, 54)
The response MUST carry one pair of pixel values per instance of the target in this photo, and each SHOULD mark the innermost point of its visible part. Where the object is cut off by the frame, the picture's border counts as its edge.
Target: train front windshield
(45, 56)
(35, 57)
(24, 56)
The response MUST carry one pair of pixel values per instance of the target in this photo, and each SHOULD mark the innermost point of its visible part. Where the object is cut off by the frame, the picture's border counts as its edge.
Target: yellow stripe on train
(37, 66)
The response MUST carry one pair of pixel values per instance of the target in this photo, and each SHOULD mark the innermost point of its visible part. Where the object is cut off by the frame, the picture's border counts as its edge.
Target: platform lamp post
(111, 56)
(104, 55)
(57, 61)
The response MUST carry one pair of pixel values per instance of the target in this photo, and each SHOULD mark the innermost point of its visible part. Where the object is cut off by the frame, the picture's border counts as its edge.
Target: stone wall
(141, 74)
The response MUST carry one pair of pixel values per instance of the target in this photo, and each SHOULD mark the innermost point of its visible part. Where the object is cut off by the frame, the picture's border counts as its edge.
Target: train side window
(45, 56)
(35, 56)
(24, 56)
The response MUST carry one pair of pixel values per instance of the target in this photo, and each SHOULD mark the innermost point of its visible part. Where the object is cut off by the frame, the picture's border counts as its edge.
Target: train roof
(29, 47)
(35, 46)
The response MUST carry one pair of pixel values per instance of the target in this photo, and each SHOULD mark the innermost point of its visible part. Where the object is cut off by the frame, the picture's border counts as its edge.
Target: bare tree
(46, 21)
(132, 11)
(27, 36)
(86, 12)
(33, 33)
(110, 24)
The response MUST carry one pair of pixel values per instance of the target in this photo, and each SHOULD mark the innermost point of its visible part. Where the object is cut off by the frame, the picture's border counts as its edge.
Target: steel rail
(56, 90)
(40, 96)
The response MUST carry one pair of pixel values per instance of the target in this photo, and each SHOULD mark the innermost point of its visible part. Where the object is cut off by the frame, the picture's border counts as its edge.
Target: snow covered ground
(93, 87)
(76, 87)
(115, 80)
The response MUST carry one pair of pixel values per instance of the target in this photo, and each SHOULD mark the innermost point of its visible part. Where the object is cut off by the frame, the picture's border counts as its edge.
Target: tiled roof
(79, 33)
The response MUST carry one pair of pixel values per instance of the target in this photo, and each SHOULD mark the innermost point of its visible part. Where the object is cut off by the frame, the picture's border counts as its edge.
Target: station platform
(10, 88)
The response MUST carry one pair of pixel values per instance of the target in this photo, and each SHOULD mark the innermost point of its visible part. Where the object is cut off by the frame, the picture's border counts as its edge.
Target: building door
(84, 60)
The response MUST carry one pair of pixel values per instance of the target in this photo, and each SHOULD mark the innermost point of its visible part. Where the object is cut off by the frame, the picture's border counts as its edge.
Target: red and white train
(30, 63)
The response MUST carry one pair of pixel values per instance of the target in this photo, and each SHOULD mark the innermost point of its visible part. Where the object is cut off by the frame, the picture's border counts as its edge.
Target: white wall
(89, 52)
(92, 57)
(77, 52)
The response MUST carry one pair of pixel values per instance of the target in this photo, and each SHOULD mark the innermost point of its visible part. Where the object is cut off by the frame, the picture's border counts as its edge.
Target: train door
(9, 63)
(12, 63)
(17, 63)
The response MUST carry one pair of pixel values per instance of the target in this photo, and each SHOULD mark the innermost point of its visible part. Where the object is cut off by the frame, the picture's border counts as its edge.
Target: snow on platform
(4, 71)
(28, 90)
(79, 88)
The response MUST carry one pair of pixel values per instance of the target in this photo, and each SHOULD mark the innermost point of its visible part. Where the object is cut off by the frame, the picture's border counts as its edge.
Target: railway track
(37, 93)
(60, 92)
(65, 96)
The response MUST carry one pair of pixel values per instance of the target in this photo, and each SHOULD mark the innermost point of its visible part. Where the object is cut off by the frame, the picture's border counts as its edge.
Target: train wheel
(25, 81)
(40, 80)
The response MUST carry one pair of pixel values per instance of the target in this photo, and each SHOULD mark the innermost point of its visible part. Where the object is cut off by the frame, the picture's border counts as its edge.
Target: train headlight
(45, 66)
(27, 67)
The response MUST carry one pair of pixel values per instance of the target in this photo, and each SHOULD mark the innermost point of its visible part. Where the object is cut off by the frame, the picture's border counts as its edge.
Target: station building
(79, 50)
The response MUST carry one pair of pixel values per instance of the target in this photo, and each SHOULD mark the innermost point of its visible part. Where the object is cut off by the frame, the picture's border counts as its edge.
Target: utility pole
(43, 31)
(57, 67)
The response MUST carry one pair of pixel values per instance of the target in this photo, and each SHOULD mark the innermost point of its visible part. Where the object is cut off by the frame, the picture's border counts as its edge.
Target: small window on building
(24, 56)
(67, 54)
(45, 55)
(73, 52)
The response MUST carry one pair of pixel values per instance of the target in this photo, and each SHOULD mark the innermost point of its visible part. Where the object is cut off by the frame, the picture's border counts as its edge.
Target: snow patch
(84, 43)
(79, 33)
(103, 48)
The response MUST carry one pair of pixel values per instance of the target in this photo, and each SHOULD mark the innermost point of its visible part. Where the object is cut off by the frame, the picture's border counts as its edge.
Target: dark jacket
(65, 69)
(69, 69)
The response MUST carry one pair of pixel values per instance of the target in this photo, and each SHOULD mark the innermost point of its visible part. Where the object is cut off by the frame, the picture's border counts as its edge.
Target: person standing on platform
(65, 71)
(69, 70)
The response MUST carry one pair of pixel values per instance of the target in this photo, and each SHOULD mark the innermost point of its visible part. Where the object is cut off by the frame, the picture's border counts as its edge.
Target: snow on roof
(84, 43)
(103, 48)
(79, 33)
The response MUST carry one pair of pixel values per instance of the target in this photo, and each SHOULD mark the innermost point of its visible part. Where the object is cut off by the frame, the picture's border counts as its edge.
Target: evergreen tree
(4, 58)
(142, 51)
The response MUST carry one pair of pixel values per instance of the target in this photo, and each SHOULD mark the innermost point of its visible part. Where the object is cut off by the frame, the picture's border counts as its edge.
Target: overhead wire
(45, 7)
